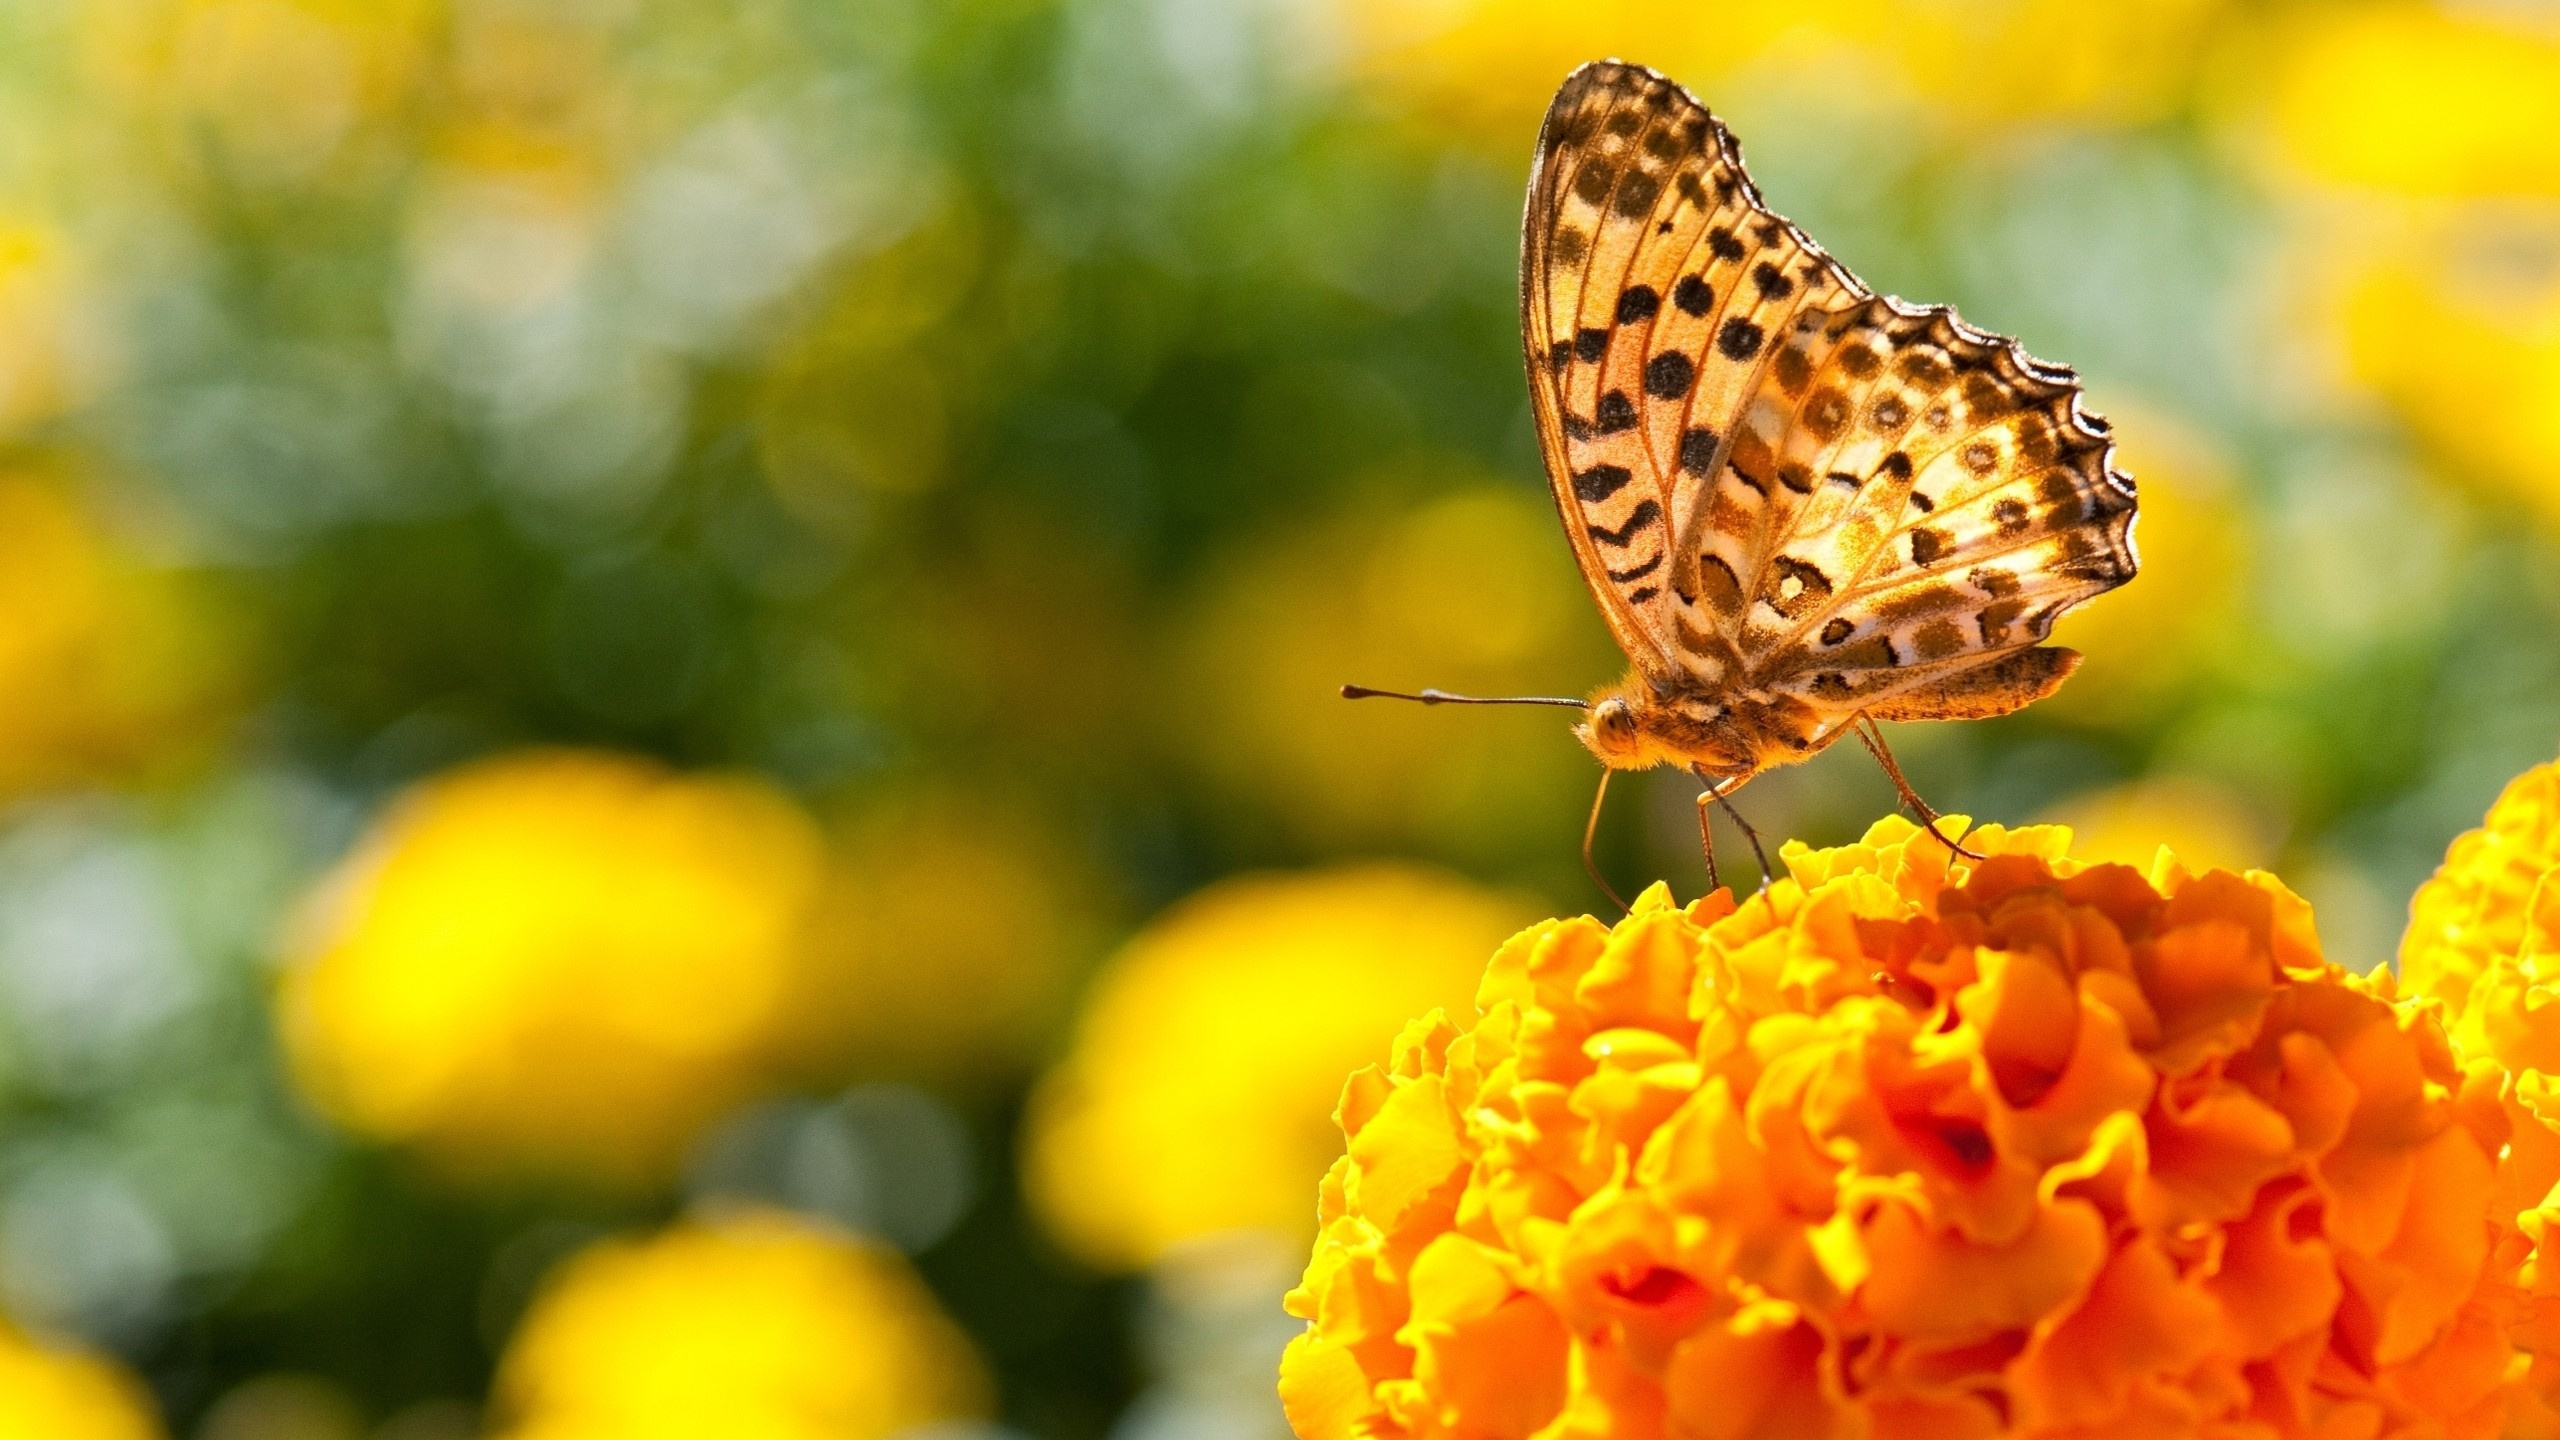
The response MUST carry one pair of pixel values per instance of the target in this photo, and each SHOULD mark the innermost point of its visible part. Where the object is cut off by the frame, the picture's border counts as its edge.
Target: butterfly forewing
(1652, 281)
(1777, 482)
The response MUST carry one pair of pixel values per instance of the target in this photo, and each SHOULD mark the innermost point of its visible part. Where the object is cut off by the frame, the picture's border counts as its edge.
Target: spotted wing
(1651, 281)
(1918, 502)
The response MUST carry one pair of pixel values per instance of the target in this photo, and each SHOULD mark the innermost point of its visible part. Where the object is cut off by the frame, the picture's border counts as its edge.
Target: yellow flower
(2417, 99)
(1466, 592)
(107, 664)
(2142, 645)
(2481, 935)
(951, 929)
(753, 1326)
(277, 89)
(1491, 64)
(2457, 326)
(555, 961)
(66, 1395)
(43, 364)
(2129, 824)
(2022, 1147)
(2483, 951)
(1194, 1100)
(2414, 139)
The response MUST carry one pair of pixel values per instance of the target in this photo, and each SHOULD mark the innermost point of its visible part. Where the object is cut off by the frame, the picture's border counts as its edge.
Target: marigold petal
(2138, 1321)
(1323, 1390)
(1931, 1284)
(1405, 1152)
(1756, 1376)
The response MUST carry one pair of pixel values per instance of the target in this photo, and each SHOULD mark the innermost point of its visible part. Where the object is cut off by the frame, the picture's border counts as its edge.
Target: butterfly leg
(1873, 739)
(1707, 838)
(1749, 834)
(1591, 831)
(1720, 792)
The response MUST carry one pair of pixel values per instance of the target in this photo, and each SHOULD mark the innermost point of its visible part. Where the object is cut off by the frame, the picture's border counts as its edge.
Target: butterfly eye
(1614, 724)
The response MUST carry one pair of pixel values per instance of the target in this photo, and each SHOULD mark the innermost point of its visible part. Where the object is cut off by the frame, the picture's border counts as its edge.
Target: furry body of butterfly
(1799, 504)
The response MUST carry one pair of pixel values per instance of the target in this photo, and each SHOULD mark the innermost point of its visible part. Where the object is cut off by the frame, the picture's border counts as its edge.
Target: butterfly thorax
(1642, 722)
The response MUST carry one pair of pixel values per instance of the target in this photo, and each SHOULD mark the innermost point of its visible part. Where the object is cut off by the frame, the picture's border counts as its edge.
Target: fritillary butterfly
(1801, 506)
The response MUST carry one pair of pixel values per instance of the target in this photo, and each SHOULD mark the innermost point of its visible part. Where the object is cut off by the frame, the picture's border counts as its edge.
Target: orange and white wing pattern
(1932, 499)
(1652, 282)
(1777, 482)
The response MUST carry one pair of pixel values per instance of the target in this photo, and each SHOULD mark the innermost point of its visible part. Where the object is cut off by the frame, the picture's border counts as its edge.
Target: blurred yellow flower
(556, 962)
(748, 1326)
(1471, 591)
(2193, 818)
(107, 664)
(951, 930)
(2144, 643)
(2414, 98)
(273, 91)
(2458, 327)
(45, 362)
(1194, 1100)
(1491, 64)
(56, 1394)
(1901, 1147)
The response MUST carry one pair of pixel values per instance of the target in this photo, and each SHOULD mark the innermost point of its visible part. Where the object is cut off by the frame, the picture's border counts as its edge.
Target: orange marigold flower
(2483, 953)
(1904, 1148)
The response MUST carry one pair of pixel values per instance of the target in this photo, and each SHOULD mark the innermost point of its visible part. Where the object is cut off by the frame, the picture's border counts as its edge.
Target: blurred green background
(640, 639)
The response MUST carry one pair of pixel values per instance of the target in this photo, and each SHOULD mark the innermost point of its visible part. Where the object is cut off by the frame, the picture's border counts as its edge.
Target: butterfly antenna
(1873, 738)
(1591, 829)
(1443, 697)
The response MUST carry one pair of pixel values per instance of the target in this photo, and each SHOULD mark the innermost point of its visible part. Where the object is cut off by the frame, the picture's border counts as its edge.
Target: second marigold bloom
(2016, 1148)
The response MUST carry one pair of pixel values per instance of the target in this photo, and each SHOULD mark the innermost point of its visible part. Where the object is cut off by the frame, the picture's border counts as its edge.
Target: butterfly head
(1612, 734)
(1632, 728)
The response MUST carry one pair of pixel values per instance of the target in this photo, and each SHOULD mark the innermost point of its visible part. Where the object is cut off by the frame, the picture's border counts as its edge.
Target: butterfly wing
(1919, 501)
(1776, 482)
(1652, 280)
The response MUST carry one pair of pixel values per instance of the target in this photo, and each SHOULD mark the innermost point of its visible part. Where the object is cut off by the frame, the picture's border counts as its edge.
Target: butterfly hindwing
(1944, 500)
(1652, 283)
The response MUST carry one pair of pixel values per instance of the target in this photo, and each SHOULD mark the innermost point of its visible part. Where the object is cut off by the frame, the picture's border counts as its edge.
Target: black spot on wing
(1720, 241)
(1590, 343)
(1600, 482)
(1669, 375)
(1772, 282)
(1644, 516)
(1698, 451)
(1638, 302)
(1624, 577)
(1636, 195)
(1693, 295)
(1616, 413)
(1739, 339)
(1591, 182)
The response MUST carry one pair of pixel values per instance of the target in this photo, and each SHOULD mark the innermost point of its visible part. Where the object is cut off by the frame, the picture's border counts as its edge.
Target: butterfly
(1803, 507)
